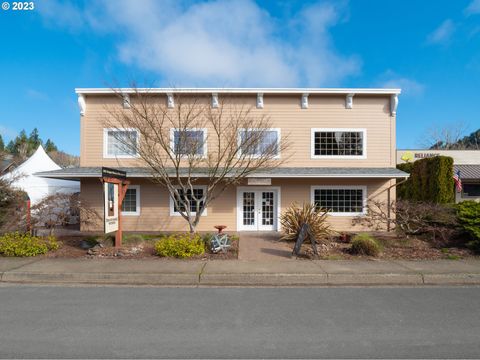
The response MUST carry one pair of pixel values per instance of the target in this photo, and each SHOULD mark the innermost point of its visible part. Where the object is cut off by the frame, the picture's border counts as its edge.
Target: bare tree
(435, 221)
(446, 138)
(13, 206)
(64, 160)
(173, 144)
(60, 209)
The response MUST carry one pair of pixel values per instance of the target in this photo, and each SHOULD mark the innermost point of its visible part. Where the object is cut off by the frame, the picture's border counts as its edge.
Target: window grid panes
(122, 142)
(188, 142)
(248, 208)
(251, 144)
(343, 143)
(197, 194)
(339, 200)
(130, 201)
(267, 208)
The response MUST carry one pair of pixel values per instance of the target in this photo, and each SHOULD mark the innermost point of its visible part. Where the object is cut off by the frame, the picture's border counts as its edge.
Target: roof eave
(326, 91)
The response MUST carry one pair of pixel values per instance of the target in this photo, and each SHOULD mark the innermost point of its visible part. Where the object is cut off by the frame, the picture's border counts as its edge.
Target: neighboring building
(37, 188)
(467, 162)
(342, 152)
(7, 163)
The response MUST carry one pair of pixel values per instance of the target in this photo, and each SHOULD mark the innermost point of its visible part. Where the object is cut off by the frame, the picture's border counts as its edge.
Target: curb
(103, 278)
(240, 279)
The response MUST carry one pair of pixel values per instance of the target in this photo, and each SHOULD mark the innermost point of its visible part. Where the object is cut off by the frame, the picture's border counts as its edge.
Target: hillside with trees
(452, 139)
(23, 146)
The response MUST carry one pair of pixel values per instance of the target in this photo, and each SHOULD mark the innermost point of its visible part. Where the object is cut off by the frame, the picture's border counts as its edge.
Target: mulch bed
(70, 248)
(394, 248)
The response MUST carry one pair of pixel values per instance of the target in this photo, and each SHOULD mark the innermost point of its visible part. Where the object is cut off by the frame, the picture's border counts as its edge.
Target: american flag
(458, 181)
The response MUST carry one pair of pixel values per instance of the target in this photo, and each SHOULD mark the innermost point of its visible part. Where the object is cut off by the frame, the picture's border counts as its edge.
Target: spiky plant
(295, 216)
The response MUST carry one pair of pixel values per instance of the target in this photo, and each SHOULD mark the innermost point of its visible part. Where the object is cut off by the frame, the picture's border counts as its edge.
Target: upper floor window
(120, 143)
(340, 200)
(339, 143)
(131, 202)
(258, 142)
(187, 142)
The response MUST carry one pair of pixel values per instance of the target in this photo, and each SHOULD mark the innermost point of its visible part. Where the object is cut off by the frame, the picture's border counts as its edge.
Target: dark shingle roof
(281, 172)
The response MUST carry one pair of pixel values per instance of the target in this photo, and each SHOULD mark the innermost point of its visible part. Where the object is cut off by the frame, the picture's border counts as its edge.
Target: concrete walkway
(162, 272)
(263, 246)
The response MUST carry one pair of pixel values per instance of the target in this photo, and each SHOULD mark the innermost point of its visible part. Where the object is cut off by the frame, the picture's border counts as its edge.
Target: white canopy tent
(37, 187)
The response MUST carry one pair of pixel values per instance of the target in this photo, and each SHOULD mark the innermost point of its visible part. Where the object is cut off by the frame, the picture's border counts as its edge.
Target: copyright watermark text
(18, 5)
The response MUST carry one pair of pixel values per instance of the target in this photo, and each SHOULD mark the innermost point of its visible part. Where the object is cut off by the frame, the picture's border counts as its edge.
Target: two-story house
(342, 152)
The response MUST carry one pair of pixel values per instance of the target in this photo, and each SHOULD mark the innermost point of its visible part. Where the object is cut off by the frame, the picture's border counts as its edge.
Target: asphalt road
(120, 322)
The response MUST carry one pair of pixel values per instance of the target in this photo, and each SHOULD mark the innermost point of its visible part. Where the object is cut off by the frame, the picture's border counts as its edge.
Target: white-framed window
(120, 143)
(198, 193)
(342, 200)
(131, 202)
(250, 144)
(339, 143)
(188, 142)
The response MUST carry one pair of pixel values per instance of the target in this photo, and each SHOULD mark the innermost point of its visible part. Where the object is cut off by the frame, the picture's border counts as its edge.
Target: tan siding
(155, 210)
(370, 112)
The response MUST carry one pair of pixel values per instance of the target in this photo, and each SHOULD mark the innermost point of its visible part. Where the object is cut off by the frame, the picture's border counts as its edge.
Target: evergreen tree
(34, 141)
(50, 146)
(2, 144)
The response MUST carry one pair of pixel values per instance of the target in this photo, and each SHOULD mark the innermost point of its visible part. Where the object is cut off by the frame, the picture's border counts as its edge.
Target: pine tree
(2, 144)
(34, 141)
(50, 146)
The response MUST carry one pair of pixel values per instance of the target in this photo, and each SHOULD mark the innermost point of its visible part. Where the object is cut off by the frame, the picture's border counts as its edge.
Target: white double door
(258, 209)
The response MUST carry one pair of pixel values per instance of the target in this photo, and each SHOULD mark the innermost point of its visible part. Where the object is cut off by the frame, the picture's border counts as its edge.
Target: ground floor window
(471, 190)
(131, 202)
(176, 207)
(339, 200)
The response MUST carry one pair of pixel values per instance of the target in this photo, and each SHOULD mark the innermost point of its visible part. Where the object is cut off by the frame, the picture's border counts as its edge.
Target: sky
(430, 49)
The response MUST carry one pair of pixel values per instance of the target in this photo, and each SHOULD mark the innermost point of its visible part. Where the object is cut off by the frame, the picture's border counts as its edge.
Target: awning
(468, 172)
(280, 172)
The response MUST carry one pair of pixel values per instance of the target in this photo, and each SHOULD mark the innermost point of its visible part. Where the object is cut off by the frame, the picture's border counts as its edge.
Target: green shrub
(431, 180)
(133, 239)
(468, 213)
(364, 244)
(18, 244)
(180, 245)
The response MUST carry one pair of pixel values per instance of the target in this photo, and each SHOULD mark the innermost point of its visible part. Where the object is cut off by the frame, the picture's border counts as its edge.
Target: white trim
(393, 104)
(82, 104)
(105, 144)
(205, 147)
(170, 100)
(256, 156)
(349, 101)
(343, 187)
(343, 91)
(126, 101)
(304, 102)
(260, 100)
(172, 202)
(215, 103)
(137, 194)
(276, 189)
(312, 143)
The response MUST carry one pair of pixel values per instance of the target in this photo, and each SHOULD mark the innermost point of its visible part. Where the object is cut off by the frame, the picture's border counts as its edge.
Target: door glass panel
(267, 208)
(248, 208)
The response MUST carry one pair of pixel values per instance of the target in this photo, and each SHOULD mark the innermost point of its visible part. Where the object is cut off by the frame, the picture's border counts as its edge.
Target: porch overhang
(79, 173)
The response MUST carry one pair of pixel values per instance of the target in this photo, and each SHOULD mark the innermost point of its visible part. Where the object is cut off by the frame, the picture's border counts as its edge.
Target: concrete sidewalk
(239, 273)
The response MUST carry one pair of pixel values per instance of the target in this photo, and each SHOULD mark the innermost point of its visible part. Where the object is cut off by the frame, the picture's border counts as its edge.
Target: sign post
(115, 185)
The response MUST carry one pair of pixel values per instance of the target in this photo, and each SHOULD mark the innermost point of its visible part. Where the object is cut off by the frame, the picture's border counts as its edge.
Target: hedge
(430, 180)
